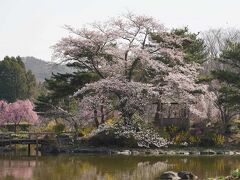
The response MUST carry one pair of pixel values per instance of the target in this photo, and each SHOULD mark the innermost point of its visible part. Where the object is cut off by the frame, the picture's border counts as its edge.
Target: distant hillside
(42, 69)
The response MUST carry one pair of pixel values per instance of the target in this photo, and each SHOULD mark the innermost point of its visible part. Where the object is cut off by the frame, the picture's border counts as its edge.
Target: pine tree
(195, 49)
(229, 78)
(59, 89)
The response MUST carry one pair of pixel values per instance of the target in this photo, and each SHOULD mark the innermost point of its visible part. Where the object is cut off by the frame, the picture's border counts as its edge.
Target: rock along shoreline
(153, 152)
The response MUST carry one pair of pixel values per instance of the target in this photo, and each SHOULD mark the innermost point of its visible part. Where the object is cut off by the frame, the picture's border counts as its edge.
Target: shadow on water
(99, 167)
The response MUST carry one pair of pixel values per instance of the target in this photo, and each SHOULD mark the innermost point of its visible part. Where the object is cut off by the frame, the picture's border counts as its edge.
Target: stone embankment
(156, 152)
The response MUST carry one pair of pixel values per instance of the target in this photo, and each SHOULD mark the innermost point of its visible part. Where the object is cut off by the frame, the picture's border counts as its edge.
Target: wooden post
(36, 145)
(29, 145)
(10, 161)
(10, 140)
(15, 146)
(29, 150)
(2, 140)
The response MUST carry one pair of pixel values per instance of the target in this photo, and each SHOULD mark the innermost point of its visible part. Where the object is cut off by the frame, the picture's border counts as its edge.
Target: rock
(169, 175)
(220, 152)
(161, 152)
(185, 144)
(49, 146)
(229, 153)
(186, 175)
(195, 152)
(152, 152)
(92, 151)
(183, 153)
(208, 152)
(134, 152)
(237, 153)
(125, 152)
(230, 178)
(49, 149)
(170, 152)
(233, 129)
(64, 140)
(147, 152)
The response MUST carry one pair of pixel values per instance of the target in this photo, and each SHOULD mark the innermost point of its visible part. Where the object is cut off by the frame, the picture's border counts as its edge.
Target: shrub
(236, 173)
(164, 133)
(204, 78)
(172, 130)
(86, 131)
(218, 139)
(110, 121)
(194, 140)
(207, 138)
(109, 139)
(234, 127)
(59, 128)
(181, 137)
(20, 127)
(136, 134)
(50, 126)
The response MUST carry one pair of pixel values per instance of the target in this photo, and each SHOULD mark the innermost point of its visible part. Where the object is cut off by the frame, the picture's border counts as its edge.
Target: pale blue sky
(30, 27)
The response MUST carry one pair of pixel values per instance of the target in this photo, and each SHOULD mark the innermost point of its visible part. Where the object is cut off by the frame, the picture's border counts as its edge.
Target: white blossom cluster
(145, 137)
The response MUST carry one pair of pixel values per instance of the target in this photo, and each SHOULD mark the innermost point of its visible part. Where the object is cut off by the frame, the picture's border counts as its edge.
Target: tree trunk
(95, 118)
(75, 127)
(158, 111)
(102, 115)
(127, 116)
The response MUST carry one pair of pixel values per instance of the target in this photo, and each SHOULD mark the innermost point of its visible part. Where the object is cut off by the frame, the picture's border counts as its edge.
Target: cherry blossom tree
(139, 62)
(17, 111)
(127, 97)
(116, 47)
(182, 86)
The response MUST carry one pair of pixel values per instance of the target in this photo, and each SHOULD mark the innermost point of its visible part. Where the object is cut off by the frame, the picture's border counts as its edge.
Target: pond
(103, 167)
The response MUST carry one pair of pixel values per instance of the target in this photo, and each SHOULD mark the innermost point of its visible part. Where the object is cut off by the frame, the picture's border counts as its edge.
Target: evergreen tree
(59, 89)
(195, 48)
(229, 78)
(15, 81)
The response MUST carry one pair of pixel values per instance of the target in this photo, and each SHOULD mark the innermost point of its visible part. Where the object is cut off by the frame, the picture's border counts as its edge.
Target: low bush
(86, 131)
(136, 134)
(20, 127)
(236, 173)
(181, 137)
(194, 140)
(59, 128)
(193, 137)
(109, 139)
(218, 139)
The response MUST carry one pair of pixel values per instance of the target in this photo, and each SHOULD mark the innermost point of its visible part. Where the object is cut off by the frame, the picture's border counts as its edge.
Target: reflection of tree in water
(17, 169)
(98, 169)
(144, 170)
(112, 167)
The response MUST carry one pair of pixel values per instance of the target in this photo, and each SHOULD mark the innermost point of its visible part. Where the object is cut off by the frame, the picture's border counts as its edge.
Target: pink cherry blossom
(114, 49)
(17, 111)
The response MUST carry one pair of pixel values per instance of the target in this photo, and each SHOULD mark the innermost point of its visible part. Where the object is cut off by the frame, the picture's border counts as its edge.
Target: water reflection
(88, 167)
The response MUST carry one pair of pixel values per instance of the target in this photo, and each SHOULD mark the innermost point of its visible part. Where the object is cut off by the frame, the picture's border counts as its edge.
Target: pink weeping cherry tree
(17, 112)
